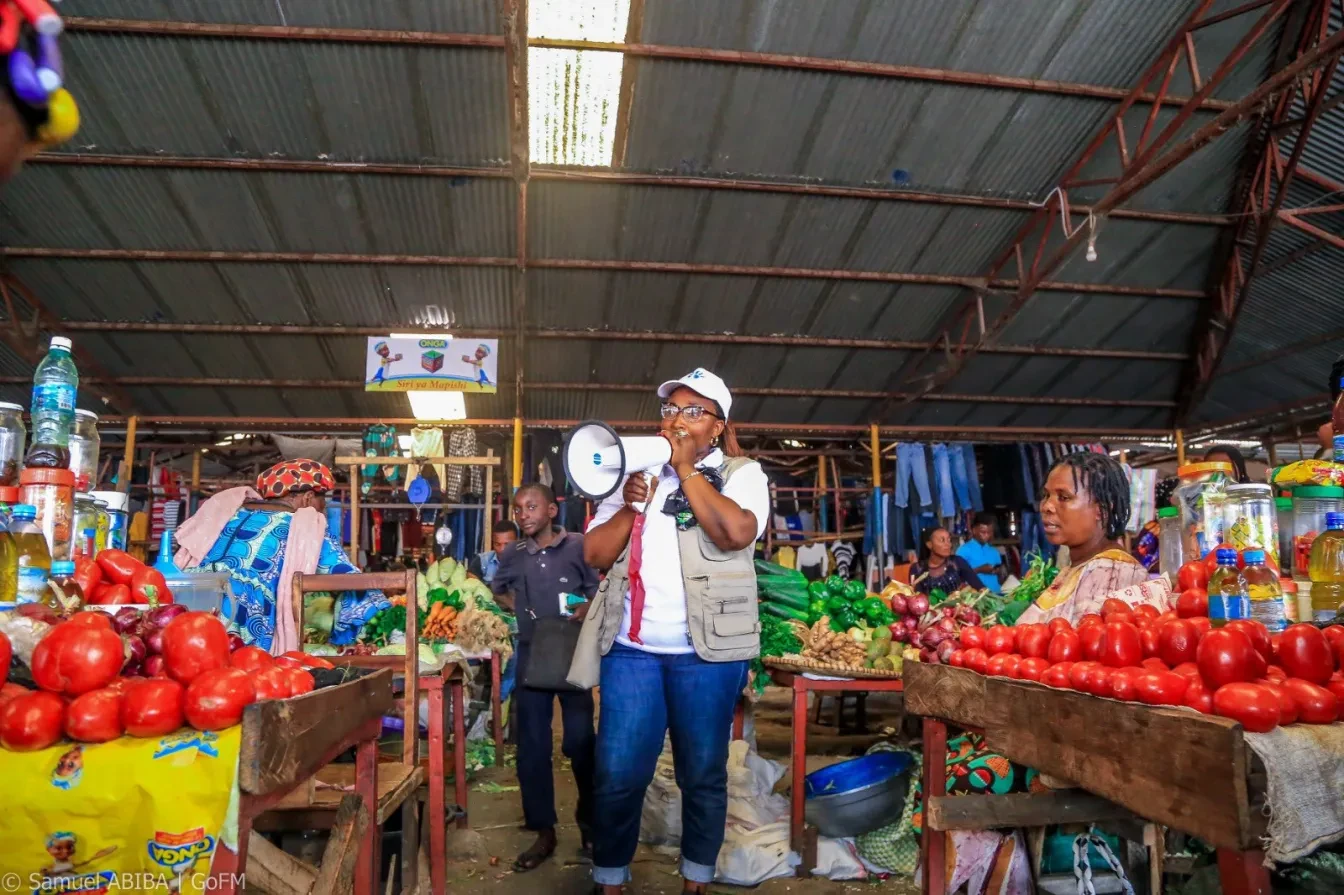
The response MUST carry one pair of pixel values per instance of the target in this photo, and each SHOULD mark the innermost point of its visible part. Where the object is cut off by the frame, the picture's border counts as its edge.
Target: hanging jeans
(910, 462)
(963, 465)
(947, 499)
(1033, 489)
(1033, 538)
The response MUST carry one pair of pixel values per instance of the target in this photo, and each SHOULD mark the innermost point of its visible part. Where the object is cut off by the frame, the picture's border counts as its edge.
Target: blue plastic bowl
(857, 773)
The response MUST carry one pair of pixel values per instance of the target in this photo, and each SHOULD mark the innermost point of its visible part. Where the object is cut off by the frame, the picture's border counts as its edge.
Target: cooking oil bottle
(1326, 568)
(1266, 594)
(9, 566)
(33, 559)
(1228, 597)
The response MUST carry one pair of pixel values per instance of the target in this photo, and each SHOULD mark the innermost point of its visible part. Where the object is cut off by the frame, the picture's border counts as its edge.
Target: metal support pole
(489, 527)
(354, 514)
(821, 494)
(517, 453)
(1180, 447)
(128, 463)
(193, 498)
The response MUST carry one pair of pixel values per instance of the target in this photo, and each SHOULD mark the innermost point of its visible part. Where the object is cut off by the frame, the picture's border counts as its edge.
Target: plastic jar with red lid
(52, 492)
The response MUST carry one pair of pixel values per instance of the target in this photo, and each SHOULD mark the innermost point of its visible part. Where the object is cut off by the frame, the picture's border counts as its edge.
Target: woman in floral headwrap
(261, 537)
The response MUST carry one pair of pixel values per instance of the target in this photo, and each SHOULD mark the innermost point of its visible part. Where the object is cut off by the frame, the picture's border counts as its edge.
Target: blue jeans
(947, 506)
(972, 477)
(644, 696)
(1033, 487)
(910, 462)
(1033, 538)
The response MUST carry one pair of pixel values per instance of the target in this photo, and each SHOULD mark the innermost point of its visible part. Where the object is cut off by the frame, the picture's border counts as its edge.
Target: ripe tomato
(1057, 676)
(94, 617)
(956, 660)
(74, 659)
(1275, 673)
(152, 707)
(1153, 663)
(1114, 605)
(31, 721)
(1317, 704)
(1193, 575)
(1256, 631)
(6, 652)
(193, 643)
(998, 665)
(94, 717)
(1031, 668)
(1255, 707)
(1169, 615)
(1148, 637)
(1198, 697)
(1161, 687)
(11, 690)
(273, 683)
(1065, 646)
(1334, 634)
(1305, 653)
(1226, 657)
(1122, 684)
(148, 586)
(250, 658)
(1033, 641)
(301, 681)
(1090, 638)
(1146, 610)
(973, 637)
(1099, 681)
(1177, 642)
(1274, 641)
(1202, 625)
(1120, 645)
(1088, 620)
(1188, 669)
(1081, 673)
(216, 698)
(1000, 639)
(1335, 686)
(1288, 708)
(1062, 624)
(1193, 603)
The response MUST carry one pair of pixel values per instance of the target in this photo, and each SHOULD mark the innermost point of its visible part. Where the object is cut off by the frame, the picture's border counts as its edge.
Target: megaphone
(597, 460)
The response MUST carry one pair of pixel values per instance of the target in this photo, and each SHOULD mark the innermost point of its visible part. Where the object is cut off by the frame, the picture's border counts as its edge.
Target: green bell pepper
(835, 585)
(817, 589)
(872, 609)
(855, 590)
(844, 620)
(835, 604)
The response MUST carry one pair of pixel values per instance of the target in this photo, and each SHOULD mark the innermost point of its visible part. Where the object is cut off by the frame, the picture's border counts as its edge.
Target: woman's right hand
(637, 490)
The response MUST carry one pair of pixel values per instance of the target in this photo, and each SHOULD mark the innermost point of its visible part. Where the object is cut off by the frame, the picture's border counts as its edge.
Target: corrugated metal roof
(476, 16)
(260, 99)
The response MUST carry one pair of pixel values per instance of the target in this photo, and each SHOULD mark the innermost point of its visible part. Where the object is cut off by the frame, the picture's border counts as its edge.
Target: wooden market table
(284, 743)
(1174, 767)
(803, 839)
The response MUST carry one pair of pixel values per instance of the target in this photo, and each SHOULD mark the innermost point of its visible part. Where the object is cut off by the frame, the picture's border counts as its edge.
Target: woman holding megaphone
(677, 622)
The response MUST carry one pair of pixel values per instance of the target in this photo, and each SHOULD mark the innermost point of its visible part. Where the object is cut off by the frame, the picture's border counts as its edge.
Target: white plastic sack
(750, 857)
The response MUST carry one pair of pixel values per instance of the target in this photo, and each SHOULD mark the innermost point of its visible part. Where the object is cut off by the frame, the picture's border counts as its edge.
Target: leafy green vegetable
(777, 639)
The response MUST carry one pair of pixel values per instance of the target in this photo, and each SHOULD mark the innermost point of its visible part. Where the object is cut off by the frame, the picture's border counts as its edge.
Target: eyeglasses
(690, 413)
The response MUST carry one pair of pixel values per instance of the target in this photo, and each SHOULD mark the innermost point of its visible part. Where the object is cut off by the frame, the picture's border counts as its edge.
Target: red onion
(899, 633)
(126, 620)
(933, 636)
(947, 625)
(153, 666)
(945, 650)
(899, 605)
(972, 617)
(162, 615)
(133, 670)
(949, 610)
(154, 641)
(918, 604)
(915, 639)
(910, 622)
(235, 642)
(928, 656)
(135, 649)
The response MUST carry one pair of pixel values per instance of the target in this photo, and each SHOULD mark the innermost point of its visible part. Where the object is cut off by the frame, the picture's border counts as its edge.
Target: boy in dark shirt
(535, 574)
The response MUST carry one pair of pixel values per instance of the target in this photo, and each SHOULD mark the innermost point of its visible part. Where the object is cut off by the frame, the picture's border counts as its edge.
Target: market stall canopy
(259, 187)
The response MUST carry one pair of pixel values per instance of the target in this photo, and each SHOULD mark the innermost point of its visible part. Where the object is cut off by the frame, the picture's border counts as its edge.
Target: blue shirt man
(984, 558)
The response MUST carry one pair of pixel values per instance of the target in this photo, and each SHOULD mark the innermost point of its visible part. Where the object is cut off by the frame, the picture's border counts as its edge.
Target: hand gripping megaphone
(597, 460)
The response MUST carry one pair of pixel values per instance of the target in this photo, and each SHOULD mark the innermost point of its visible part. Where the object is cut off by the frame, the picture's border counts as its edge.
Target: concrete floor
(496, 816)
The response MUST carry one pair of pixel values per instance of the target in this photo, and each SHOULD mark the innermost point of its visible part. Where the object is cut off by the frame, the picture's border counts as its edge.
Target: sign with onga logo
(402, 363)
(179, 852)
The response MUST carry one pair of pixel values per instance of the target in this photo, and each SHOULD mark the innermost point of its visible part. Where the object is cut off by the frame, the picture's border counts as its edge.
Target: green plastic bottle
(1326, 569)
(1228, 596)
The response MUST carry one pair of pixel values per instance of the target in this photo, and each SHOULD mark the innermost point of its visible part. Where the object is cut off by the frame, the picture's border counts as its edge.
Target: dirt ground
(496, 816)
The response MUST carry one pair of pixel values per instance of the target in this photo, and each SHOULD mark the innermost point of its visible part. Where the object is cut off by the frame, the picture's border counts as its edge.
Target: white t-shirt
(663, 627)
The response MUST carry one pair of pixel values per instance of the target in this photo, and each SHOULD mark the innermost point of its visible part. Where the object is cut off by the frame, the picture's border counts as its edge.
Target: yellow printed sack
(132, 815)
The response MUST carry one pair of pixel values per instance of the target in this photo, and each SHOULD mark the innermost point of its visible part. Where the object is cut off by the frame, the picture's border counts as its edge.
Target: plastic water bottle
(55, 385)
(1262, 586)
(1228, 598)
(34, 559)
(1327, 570)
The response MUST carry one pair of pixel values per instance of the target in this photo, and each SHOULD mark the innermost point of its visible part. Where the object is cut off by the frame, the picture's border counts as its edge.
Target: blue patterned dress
(251, 548)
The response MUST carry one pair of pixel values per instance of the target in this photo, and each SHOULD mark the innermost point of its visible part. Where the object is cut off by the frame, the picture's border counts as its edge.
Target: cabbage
(459, 575)
(422, 589)
(430, 576)
(396, 649)
(320, 649)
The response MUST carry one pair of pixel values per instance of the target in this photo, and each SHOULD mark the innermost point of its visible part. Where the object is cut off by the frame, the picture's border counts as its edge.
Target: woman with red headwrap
(261, 537)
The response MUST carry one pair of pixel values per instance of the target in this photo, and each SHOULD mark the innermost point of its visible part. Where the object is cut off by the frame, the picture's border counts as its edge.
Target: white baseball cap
(703, 383)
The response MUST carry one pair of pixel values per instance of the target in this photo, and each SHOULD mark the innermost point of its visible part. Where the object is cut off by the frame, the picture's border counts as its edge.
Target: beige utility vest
(721, 611)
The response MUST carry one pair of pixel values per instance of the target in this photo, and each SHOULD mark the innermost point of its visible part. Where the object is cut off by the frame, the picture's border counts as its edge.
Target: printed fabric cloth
(1083, 588)
(462, 443)
(252, 549)
(295, 477)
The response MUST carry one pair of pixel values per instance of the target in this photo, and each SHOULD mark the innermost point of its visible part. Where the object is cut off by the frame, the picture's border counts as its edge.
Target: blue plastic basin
(857, 773)
(857, 796)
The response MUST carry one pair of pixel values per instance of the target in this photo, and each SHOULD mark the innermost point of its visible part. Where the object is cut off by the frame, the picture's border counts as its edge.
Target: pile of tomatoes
(1137, 654)
(82, 694)
(1192, 580)
(115, 578)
